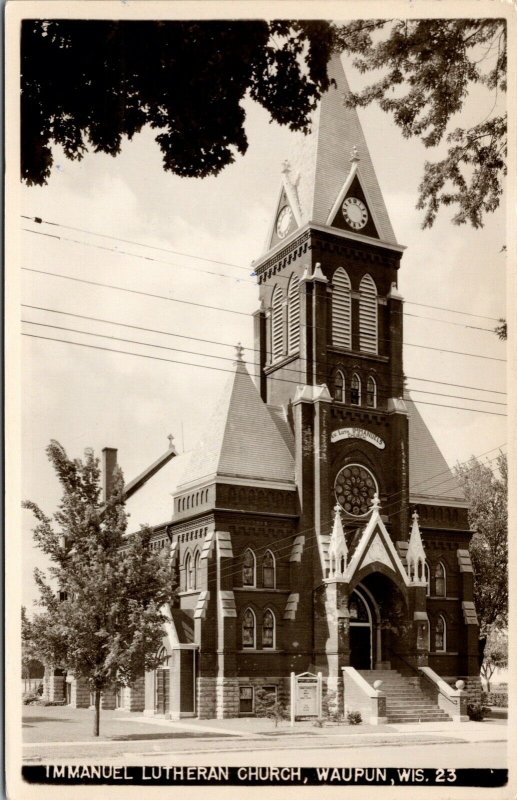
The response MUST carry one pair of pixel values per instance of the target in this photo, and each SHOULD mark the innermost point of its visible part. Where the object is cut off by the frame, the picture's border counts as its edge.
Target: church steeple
(325, 167)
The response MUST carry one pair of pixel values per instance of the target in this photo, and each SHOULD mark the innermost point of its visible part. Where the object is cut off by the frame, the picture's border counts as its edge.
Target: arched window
(341, 309)
(293, 314)
(277, 324)
(248, 568)
(440, 635)
(368, 315)
(268, 570)
(268, 629)
(163, 657)
(371, 393)
(427, 574)
(189, 576)
(355, 390)
(197, 570)
(339, 386)
(249, 629)
(440, 588)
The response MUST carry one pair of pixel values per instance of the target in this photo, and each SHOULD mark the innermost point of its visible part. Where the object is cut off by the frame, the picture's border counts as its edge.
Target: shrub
(499, 699)
(319, 722)
(476, 711)
(330, 709)
(266, 705)
(354, 717)
(28, 698)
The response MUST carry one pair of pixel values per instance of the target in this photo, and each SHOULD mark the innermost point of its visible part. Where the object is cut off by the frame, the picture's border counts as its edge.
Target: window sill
(255, 650)
(280, 362)
(260, 589)
(188, 592)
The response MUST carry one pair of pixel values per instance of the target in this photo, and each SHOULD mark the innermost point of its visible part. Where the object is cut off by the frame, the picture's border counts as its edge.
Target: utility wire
(39, 220)
(226, 344)
(381, 395)
(226, 310)
(220, 369)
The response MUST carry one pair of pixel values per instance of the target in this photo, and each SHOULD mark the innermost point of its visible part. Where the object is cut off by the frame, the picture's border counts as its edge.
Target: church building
(316, 528)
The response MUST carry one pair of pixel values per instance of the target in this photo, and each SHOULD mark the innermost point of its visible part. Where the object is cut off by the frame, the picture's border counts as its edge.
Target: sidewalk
(61, 732)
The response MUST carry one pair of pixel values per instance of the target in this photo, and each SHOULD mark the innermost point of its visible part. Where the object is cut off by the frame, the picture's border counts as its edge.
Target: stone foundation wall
(79, 693)
(205, 700)
(226, 698)
(108, 699)
(53, 688)
(136, 695)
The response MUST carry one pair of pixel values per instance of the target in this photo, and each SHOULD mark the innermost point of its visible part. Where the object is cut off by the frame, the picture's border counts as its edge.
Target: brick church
(316, 528)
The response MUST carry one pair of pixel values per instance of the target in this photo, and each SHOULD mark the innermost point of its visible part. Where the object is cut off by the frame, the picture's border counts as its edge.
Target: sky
(90, 398)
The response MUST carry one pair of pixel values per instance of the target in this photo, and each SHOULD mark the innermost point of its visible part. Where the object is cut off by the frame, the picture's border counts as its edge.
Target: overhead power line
(226, 344)
(219, 369)
(381, 395)
(39, 220)
(226, 310)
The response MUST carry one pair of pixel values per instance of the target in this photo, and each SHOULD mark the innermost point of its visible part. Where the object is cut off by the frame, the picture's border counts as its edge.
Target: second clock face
(283, 222)
(355, 213)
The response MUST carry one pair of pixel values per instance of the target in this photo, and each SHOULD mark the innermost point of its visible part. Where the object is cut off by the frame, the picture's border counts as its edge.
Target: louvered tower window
(368, 315)
(277, 324)
(341, 310)
(293, 314)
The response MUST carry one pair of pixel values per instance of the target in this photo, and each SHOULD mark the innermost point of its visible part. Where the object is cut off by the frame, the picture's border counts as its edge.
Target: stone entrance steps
(405, 701)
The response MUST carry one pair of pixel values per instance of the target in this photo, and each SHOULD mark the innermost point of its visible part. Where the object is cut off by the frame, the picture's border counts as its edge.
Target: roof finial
(354, 154)
(239, 351)
(376, 503)
(286, 167)
(170, 437)
(415, 516)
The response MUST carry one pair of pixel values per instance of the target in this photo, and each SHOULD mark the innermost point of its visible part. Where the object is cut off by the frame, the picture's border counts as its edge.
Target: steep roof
(241, 440)
(429, 474)
(320, 162)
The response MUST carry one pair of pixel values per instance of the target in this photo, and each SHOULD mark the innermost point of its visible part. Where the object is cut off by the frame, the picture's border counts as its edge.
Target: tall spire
(325, 161)
(415, 555)
(338, 550)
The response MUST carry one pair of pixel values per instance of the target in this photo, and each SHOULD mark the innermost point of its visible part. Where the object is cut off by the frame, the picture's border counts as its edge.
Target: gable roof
(430, 477)
(241, 440)
(320, 162)
(152, 503)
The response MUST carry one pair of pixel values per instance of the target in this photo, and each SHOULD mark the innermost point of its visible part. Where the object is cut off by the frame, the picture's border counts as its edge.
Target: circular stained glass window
(354, 488)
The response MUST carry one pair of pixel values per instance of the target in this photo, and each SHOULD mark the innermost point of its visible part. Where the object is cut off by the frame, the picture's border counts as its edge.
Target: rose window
(355, 488)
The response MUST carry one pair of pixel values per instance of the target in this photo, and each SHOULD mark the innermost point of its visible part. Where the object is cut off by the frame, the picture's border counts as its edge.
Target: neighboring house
(316, 526)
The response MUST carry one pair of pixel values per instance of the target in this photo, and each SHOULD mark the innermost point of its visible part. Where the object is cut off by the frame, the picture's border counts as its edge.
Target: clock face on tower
(283, 222)
(354, 488)
(355, 213)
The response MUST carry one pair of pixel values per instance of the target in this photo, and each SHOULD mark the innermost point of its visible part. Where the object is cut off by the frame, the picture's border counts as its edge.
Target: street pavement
(62, 734)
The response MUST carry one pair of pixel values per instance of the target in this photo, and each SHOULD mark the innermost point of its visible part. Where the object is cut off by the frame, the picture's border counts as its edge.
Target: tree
(104, 624)
(495, 654)
(487, 496)
(96, 82)
(428, 67)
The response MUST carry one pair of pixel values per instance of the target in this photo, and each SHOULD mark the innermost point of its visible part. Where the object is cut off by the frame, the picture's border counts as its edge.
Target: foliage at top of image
(89, 84)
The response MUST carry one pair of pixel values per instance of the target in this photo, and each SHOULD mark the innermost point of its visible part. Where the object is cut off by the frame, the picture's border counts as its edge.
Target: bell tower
(328, 332)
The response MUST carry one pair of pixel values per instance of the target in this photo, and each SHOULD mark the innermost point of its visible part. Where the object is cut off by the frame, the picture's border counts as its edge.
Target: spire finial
(286, 167)
(354, 154)
(376, 503)
(239, 351)
(170, 437)
(415, 516)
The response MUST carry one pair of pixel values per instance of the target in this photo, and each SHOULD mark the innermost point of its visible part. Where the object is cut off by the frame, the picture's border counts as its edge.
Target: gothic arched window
(371, 393)
(249, 629)
(440, 635)
(427, 574)
(341, 309)
(268, 629)
(293, 314)
(248, 568)
(355, 390)
(197, 570)
(339, 386)
(268, 570)
(188, 573)
(440, 588)
(277, 324)
(368, 315)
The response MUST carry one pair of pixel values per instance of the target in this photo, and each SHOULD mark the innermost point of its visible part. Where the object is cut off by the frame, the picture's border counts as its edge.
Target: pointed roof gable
(431, 478)
(241, 440)
(322, 162)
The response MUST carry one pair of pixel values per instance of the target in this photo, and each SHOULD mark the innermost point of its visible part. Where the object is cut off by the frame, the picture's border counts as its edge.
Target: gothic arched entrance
(360, 609)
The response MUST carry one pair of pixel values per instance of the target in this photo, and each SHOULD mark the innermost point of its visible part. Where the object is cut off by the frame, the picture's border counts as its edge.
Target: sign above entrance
(357, 433)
